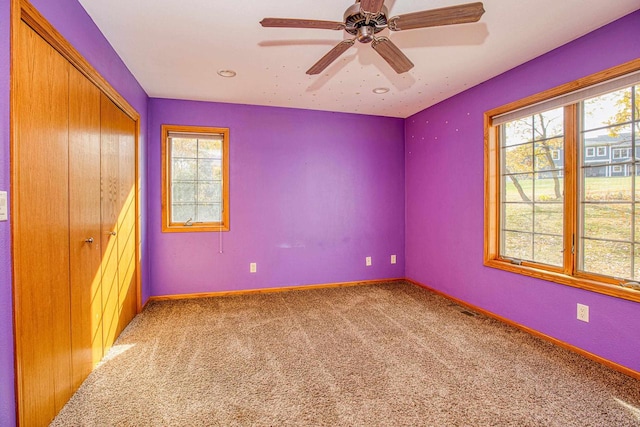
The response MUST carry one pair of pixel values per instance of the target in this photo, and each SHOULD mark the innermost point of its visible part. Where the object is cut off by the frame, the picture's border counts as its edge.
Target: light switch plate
(4, 210)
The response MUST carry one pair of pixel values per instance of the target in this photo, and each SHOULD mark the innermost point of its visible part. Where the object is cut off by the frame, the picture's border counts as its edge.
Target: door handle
(113, 233)
(89, 240)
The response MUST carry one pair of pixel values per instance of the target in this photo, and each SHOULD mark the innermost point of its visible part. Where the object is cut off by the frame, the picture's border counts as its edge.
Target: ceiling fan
(366, 18)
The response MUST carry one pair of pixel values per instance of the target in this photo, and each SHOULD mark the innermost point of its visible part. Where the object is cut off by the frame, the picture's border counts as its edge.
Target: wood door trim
(30, 15)
(13, 101)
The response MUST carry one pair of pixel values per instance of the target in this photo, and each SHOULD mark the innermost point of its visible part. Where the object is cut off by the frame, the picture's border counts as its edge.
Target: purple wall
(78, 28)
(444, 193)
(312, 194)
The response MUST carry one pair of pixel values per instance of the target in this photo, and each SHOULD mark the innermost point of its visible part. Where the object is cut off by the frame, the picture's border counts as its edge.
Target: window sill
(613, 290)
(194, 228)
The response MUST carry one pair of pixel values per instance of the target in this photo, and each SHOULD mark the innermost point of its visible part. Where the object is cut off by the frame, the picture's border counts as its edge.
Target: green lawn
(596, 189)
(608, 214)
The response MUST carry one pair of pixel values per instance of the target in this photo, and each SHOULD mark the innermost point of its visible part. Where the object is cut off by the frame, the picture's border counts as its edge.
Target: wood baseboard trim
(606, 362)
(270, 290)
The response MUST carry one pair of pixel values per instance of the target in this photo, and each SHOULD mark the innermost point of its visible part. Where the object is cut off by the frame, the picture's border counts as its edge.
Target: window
(575, 221)
(532, 192)
(195, 179)
(621, 153)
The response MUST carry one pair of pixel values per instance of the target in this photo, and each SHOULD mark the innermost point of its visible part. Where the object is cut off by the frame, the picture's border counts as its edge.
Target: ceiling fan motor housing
(362, 26)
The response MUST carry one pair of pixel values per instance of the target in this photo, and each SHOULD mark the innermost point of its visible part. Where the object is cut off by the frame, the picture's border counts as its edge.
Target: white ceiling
(174, 49)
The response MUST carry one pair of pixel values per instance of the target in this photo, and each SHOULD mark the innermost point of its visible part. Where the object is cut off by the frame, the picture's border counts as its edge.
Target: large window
(195, 178)
(553, 209)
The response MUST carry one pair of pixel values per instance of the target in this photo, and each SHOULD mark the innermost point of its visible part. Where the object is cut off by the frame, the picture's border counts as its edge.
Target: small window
(621, 153)
(602, 151)
(617, 169)
(591, 152)
(195, 179)
(555, 154)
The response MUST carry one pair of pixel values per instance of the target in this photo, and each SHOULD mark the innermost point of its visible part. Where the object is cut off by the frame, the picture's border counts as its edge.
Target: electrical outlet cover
(583, 312)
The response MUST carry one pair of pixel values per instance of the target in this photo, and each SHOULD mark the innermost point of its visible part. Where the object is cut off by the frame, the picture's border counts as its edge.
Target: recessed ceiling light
(226, 73)
(381, 90)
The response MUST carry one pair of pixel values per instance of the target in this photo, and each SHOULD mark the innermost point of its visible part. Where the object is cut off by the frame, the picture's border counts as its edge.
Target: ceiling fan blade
(461, 14)
(331, 56)
(390, 53)
(371, 6)
(302, 23)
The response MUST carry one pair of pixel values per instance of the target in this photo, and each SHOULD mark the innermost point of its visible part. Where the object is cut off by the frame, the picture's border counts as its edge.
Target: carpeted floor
(380, 355)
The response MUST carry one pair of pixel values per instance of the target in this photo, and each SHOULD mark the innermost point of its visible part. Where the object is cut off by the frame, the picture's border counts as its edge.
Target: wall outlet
(393, 259)
(253, 267)
(583, 312)
(367, 261)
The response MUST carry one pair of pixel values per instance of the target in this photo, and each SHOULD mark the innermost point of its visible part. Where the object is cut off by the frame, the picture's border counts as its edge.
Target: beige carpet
(381, 355)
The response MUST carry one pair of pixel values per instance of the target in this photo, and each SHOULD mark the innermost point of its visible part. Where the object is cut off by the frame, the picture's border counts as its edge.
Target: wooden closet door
(84, 225)
(40, 229)
(127, 297)
(110, 189)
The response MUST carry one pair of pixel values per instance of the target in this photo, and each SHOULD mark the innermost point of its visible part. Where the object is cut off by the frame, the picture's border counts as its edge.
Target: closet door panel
(127, 276)
(127, 222)
(40, 229)
(84, 225)
(109, 138)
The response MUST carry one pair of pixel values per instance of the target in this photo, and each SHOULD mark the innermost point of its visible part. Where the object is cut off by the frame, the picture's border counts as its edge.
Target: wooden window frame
(181, 227)
(568, 274)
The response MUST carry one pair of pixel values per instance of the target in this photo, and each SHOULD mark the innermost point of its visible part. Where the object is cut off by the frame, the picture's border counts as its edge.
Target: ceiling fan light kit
(366, 18)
